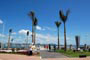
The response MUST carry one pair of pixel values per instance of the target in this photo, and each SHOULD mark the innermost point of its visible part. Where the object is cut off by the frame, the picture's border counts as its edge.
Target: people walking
(54, 46)
(49, 47)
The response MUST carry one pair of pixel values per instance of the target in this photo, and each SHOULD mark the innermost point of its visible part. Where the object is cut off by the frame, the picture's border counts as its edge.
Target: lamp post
(1, 23)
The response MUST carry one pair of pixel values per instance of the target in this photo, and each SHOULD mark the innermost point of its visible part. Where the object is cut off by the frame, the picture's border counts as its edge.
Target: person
(54, 48)
(34, 50)
(30, 51)
(49, 47)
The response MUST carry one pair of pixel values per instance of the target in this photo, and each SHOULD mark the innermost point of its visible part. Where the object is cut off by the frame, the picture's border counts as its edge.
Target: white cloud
(39, 28)
(49, 38)
(41, 38)
(2, 35)
(23, 31)
(14, 33)
(45, 28)
(49, 28)
(1, 22)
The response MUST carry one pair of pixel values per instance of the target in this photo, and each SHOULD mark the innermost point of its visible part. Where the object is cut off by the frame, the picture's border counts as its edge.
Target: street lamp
(1, 23)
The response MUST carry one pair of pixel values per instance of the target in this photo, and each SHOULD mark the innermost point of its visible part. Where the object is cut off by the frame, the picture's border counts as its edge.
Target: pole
(65, 42)
(58, 38)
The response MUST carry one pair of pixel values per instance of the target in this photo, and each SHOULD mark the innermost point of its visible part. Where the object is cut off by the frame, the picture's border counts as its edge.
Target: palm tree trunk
(32, 30)
(58, 39)
(34, 34)
(34, 38)
(27, 42)
(65, 42)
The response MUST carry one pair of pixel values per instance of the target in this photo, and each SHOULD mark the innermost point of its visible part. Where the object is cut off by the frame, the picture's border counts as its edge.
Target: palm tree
(64, 19)
(32, 15)
(58, 24)
(10, 31)
(27, 37)
(35, 24)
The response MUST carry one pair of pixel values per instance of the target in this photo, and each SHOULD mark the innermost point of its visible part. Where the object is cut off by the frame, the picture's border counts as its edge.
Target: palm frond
(31, 13)
(10, 30)
(62, 16)
(58, 23)
(35, 21)
(67, 13)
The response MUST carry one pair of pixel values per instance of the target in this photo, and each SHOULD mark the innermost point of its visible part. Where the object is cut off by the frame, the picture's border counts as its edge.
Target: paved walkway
(24, 57)
(46, 54)
(88, 58)
(18, 57)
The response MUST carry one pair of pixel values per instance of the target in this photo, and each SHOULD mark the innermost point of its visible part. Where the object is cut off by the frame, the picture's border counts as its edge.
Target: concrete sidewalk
(46, 54)
(18, 57)
(24, 57)
(88, 58)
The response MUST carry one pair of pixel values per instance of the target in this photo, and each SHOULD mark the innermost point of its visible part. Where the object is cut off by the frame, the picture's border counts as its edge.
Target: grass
(70, 53)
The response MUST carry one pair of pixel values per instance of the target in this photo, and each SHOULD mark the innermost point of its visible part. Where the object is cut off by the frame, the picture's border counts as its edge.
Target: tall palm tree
(64, 19)
(32, 15)
(58, 24)
(35, 24)
(27, 37)
(10, 31)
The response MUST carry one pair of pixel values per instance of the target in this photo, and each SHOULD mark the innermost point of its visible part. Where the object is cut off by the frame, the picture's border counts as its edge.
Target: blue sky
(13, 13)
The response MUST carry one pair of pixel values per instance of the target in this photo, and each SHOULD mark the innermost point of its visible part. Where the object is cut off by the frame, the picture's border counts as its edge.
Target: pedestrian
(30, 51)
(49, 47)
(54, 46)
